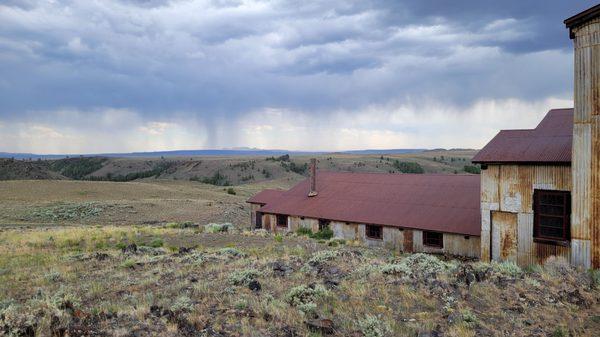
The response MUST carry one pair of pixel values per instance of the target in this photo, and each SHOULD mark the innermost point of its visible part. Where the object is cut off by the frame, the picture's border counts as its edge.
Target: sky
(94, 76)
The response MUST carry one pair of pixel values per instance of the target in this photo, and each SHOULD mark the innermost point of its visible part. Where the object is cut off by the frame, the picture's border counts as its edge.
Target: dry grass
(78, 279)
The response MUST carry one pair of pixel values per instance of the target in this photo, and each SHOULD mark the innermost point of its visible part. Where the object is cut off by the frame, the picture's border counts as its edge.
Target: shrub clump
(217, 228)
(243, 277)
(156, 243)
(507, 268)
(323, 234)
(418, 263)
(372, 326)
(321, 257)
(182, 304)
(151, 250)
(304, 231)
(53, 276)
(304, 294)
(231, 252)
(395, 269)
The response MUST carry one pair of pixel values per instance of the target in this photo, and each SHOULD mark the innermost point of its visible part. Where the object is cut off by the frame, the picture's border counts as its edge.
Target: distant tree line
(408, 167)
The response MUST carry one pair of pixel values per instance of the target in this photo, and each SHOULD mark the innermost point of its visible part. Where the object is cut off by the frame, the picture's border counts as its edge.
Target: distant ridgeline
(188, 153)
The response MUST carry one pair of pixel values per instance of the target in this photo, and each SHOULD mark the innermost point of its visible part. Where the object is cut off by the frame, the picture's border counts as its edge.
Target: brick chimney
(313, 177)
(584, 29)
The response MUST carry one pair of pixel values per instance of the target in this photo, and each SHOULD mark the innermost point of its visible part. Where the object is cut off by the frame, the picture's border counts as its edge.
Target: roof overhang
(581, 18)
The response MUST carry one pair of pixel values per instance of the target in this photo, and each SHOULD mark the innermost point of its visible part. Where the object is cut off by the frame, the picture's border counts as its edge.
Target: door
(408, 241)
(258, 222)
(504, 236)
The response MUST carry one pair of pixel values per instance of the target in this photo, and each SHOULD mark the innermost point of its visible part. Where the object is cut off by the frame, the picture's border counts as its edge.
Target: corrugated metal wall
(506, 198)
(586, 146)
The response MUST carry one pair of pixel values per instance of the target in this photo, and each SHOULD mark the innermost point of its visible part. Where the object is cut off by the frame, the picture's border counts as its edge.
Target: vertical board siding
(586, 145)
(489, 185)
(581, 169)
(296, 222)
(594, 222)
(455, 244)
(417, 240)
(525, 239)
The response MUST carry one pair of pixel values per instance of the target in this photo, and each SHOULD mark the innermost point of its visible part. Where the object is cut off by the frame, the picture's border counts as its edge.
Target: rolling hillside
(233, 170)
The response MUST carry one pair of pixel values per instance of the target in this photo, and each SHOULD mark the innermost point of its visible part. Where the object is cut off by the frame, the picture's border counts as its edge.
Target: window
(323, 224)
(433, 239)
(374, 232)
(282, 220)
(552, 215)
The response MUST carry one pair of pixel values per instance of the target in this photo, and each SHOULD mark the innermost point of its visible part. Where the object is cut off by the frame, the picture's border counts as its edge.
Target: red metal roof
(549, 142)
(265, 196)
(437, 202)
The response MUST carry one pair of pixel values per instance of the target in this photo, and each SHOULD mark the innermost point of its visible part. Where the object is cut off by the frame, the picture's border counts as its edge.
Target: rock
(482, 275)
(100, 256)
(432, 333)
(321, 325)
(281, 269)
(466, 274)
(131, 248)
(184, 250)
(254, 285)
(331, 283)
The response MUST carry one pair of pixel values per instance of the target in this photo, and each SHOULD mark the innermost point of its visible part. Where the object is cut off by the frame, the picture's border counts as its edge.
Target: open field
(65, 202)
(93, 281)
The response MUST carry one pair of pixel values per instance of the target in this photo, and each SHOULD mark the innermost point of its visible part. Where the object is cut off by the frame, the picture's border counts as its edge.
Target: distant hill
(228, 167)
(202, 153)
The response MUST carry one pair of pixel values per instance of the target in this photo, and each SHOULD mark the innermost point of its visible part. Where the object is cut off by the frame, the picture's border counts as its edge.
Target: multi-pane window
(374, 232)
(552, 215)
(282, 220)
(433, 239)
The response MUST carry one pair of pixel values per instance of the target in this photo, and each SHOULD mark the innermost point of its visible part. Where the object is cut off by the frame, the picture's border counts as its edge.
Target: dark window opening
(552, 215)
(282, 221)
(467, 237)
(323, 224)
(374, 232)
(433, 239)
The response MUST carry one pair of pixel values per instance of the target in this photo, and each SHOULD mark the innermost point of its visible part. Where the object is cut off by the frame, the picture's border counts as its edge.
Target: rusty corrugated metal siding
(507, 211)
(586, 140)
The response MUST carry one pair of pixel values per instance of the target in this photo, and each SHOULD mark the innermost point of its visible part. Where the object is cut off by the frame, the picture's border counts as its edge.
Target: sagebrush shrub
(243, 277)
(304, 294)
(372, 326)
(322, 256)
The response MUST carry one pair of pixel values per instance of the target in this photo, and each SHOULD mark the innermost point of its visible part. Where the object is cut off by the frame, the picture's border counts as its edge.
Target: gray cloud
(222, 60)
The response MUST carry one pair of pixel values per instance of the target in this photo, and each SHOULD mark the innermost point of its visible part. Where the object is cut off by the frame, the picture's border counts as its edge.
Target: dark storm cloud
(223, 59)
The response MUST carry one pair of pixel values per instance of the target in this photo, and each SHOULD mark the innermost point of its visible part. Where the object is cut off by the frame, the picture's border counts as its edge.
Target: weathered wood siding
(296, 222)
(585, 227)
(507, 211)
(408, 240)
